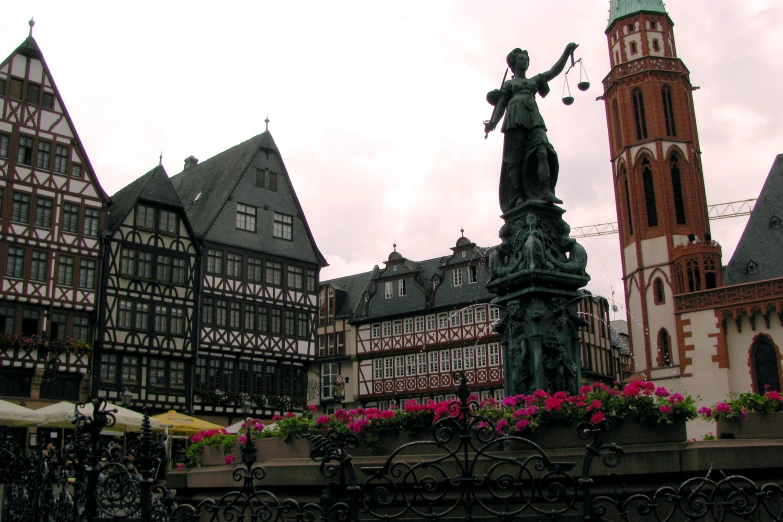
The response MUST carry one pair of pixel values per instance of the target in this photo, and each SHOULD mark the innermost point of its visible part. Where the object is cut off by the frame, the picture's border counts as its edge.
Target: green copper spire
(622, 8)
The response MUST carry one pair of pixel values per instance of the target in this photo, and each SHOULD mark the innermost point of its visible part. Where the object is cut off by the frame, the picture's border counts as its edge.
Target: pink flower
(277, 418)
(665, 409)
(342, 415)
(560, 395)
(482, 424)
(387, 414)
(500, 426)
(196, 438)
(312, 407)
(661, 392)
(230, 459)
(631, 391)
(705, 411)
(242, 439)
(767, 386)
(744, 412)
(676, 398)
(322, 420)
(358, 425)
(290, 414)
(597, 417)
(540, 394)
(722, 407)
(180, 465)
(773, 395)
(553, 403)
(595, 405)
(522, 424)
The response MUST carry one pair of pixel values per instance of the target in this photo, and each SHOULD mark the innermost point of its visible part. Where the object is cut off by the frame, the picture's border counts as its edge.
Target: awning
(179, 423)
(14, 415)
(61, 414)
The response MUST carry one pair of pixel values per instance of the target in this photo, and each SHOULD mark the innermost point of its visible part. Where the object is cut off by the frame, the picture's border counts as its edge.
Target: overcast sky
(377, 107)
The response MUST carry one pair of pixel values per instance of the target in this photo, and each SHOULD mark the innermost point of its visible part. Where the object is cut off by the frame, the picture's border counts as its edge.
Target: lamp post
(126, 398)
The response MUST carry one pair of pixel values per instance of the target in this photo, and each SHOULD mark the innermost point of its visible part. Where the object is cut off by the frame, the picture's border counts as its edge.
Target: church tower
(665, 237)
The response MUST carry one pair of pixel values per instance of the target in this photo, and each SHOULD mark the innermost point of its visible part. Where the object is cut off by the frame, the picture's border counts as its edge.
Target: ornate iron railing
(464, 472)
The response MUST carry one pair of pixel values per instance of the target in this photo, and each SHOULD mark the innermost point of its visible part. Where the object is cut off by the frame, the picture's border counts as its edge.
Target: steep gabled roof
(353, 287)
(622, 8)
(762, 241)
(154, 187)
(206, 187)
(30, 49)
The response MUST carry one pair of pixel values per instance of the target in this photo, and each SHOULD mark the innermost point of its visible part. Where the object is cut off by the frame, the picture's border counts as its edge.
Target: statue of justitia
(530, 167)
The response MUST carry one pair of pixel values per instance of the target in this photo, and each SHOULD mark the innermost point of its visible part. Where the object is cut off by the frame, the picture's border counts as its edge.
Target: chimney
(190, 161)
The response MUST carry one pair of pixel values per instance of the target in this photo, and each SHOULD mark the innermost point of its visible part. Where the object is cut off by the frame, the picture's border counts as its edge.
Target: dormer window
(752, 267)
(472, 274)
(464, 254)
(388, 290)
(394, 268)
(457, 275)
(775, 222)
(402, 287)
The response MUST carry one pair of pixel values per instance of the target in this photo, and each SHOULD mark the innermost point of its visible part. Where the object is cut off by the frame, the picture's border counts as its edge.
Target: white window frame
(433, 362)
(481, 356)
(493, 351)
(467, 315)
(445, 361)
(481, 313)
(386, 326)
(499, 394)
(443, 321)
(438, 398)
(388, 367)
(329, 372)
(456, 359)
(399, 366)
(402, 287)
(419, 324)
(408, 325)
(421, 363)
(376, 330)
(397, 327)
(246, 217)
(472, 272)
(410, 365)
(494, 313)
(470, 358)
(457, 277)
(454, 319)
(388, 292)
(431, 322)
(383, 405)
(484, 395)
(378, 369)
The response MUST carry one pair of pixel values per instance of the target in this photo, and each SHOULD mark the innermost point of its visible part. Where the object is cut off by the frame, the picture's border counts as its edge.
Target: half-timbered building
(147, 339)
(52, 209)
(401, 331)
(259, 278)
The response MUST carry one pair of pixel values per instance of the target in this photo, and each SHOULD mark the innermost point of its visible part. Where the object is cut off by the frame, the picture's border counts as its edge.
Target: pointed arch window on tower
(618, 136)
(664, 347)
(638, 114)
(694, 275)
(629, 217)
(766, 366)
(679, 202)
(668, 110)
(659, 296)
(649, 193)
(710, 274)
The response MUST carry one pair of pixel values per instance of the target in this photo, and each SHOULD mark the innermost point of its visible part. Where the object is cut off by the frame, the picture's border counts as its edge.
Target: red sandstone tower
(659, 186)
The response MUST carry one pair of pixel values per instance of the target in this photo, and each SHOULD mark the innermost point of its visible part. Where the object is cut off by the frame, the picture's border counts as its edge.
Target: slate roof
(154, 187)
(762, 240)
(217, 177)
(353, 288)
(445, 296)
(622, 8)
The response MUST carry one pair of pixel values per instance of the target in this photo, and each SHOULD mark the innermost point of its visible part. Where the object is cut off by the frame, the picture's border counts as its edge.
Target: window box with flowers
(748, 416)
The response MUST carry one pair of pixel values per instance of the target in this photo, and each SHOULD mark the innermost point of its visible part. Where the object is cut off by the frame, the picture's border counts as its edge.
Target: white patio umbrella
(14, 415)
(61, 414)
(237, 427)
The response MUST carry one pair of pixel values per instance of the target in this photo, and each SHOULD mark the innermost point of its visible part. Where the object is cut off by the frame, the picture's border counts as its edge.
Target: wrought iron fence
(464, 472)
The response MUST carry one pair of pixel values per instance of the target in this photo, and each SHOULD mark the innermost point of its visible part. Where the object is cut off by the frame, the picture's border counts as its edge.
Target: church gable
(759, 253)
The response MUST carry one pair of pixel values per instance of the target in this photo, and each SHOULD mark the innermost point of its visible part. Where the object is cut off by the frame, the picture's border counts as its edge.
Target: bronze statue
(530, 167)
(577, 255)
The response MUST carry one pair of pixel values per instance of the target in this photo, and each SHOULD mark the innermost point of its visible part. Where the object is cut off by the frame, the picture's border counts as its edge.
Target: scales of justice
(537, 269)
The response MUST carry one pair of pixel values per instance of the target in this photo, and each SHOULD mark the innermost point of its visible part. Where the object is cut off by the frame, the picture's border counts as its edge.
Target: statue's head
(513, 59)
(531, 220)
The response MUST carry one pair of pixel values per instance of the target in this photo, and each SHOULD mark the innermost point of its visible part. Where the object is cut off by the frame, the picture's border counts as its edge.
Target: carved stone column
(537, 272)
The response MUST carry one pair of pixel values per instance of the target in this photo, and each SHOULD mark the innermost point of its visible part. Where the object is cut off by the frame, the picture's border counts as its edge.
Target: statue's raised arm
(530, 167)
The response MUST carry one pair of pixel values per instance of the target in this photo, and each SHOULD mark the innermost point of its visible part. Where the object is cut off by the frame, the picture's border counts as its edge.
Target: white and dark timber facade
(52, 210)
(401, 331)
(259, 280)
(147, 339)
